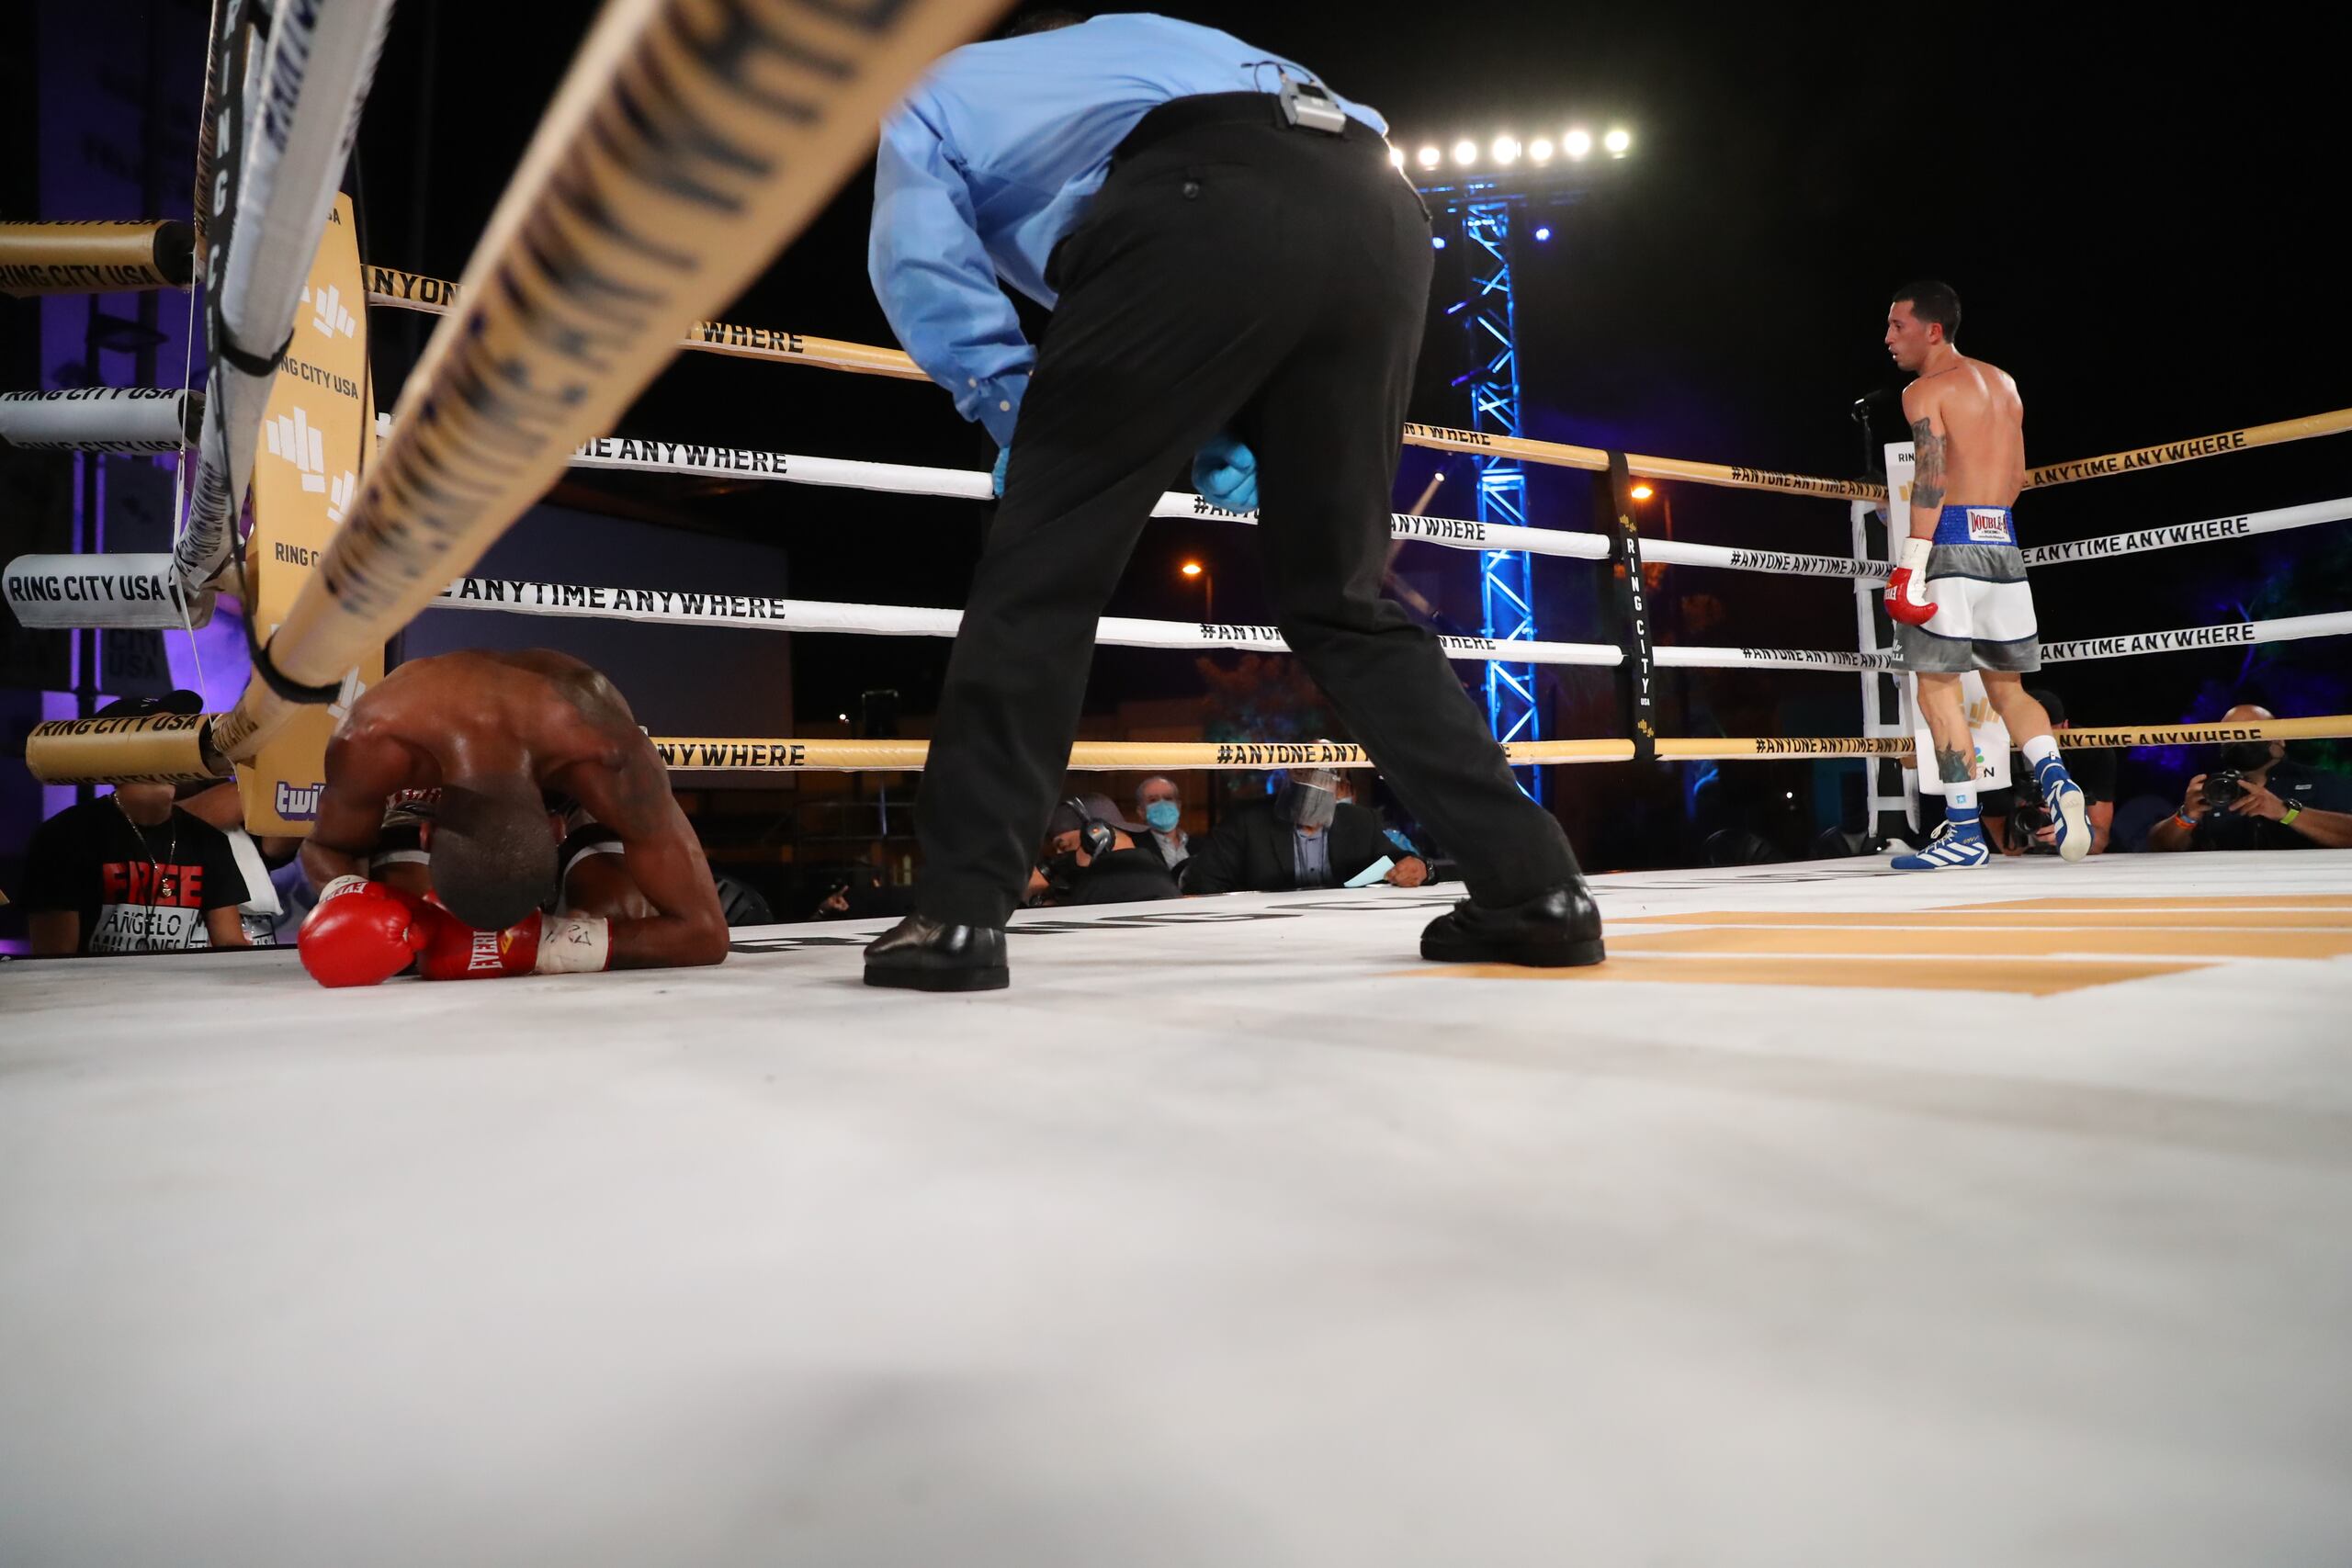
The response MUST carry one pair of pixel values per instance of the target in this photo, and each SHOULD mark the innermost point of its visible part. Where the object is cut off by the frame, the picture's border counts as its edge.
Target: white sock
(1956, 799)
(2039, 749)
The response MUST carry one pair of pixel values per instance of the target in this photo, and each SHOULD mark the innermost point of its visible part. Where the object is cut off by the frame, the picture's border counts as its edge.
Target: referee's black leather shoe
(921, 955)
(1559, 930)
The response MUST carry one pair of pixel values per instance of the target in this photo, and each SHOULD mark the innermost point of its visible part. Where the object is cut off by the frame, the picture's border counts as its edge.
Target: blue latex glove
(1226, 473)
(996, 475)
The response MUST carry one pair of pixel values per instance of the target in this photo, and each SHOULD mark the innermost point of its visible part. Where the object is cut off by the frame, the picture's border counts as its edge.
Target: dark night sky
(2138, 218)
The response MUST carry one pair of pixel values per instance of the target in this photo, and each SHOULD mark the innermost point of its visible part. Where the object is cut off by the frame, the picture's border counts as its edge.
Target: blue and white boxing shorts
(1984, 617)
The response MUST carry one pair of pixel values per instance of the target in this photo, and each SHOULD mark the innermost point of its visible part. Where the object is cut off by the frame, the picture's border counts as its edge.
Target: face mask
(2247, 756)
(1163, 815)
(1307, 805)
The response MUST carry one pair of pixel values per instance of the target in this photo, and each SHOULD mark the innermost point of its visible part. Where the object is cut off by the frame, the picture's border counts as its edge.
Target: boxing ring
(1231, 1233)
(1842, 1215)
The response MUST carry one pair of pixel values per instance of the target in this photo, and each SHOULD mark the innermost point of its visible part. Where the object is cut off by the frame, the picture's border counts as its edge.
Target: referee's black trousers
(1234, 272)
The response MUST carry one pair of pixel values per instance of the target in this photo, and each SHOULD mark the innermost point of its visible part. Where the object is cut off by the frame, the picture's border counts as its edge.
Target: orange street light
(1193, 568)
(1642, 492)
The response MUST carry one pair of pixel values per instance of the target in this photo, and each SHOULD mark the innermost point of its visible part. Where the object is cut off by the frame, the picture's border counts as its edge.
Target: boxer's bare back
(543, 712)
(1967, 425)
(549, 717)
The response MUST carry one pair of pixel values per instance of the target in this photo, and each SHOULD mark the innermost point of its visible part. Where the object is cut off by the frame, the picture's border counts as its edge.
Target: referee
(1238, 276)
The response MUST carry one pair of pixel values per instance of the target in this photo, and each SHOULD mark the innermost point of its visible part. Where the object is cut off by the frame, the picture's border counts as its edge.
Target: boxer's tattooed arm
(1927, 483)
(1953, 767)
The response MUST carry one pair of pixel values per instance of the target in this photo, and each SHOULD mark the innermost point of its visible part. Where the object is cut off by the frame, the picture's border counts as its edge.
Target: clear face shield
(1310, 798)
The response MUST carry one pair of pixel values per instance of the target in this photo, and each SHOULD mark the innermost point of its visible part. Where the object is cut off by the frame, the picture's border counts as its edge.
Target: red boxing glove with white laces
(1906, 591)
(362, 933)
(538, 944)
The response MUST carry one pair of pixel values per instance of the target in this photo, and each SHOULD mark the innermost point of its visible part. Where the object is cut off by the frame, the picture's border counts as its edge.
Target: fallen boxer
(496, 734)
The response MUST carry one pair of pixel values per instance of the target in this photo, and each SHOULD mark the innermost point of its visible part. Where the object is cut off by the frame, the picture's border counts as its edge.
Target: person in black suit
(1303, 836)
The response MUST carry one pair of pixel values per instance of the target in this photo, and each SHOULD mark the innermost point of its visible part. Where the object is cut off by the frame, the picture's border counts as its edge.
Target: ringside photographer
(2255, 798)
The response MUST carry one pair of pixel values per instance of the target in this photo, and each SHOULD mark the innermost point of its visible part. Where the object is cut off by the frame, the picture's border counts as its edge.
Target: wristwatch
(2288, 819)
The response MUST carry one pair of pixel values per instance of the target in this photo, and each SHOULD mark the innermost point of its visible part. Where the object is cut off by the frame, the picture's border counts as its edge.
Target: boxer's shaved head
(1932, 304)
(494, 854)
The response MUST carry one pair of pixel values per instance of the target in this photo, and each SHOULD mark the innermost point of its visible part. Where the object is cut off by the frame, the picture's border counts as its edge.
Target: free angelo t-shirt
(137, 889)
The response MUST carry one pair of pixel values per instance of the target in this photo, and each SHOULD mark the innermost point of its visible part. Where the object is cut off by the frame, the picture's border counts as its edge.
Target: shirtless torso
(554, 720)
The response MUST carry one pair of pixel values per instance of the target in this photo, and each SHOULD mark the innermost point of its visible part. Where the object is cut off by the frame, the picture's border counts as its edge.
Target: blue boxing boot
(2069, 806)
(1958, 846)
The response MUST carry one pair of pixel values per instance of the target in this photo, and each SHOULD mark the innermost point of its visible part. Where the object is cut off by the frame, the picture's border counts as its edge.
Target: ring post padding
(287, 108)
(207, 131)
(110, 591)
(619, 230)
(163, 747)
(94, 258)
(129, 421)
(1637, 702)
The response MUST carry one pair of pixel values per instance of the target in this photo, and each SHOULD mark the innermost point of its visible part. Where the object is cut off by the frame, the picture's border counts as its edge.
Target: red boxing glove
(538, 944)
(362, 933)
(1906, 591)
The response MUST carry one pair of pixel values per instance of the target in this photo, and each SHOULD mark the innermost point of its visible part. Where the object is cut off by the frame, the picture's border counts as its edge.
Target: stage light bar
(1504, 150)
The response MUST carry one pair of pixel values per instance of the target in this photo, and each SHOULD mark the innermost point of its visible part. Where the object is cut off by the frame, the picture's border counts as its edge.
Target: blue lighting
(1542, 234)
(1508, 596)
(1437, 241)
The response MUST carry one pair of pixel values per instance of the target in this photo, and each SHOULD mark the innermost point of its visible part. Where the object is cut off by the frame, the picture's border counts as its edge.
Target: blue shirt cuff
(997, 405)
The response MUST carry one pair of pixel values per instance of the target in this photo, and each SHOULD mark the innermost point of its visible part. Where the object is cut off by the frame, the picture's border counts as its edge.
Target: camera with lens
(2222, 788)
(2028, 818)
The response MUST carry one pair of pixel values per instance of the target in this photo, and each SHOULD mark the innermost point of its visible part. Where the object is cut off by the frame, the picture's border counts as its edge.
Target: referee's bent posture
(1236, 271)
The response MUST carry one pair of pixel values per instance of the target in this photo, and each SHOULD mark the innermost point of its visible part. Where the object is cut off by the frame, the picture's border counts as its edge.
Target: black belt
(1179, 115)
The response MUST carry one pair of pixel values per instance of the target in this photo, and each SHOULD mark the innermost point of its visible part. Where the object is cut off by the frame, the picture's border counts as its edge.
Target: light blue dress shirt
(991, 160)
(1175, 848)
(1310, 857)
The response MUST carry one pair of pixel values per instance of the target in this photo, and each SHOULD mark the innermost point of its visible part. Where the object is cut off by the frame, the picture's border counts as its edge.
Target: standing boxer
(493, 734)
(1237, 276)
(1958, 596)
